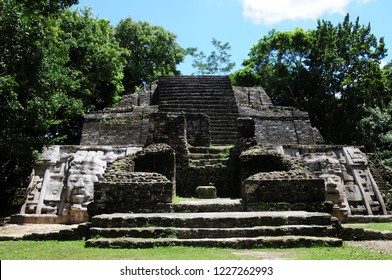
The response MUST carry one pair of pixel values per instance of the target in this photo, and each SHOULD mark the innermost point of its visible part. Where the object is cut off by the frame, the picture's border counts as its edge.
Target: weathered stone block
(132, 192)
(246, 127)
(206, 192)
(256, 189)
(198, 129)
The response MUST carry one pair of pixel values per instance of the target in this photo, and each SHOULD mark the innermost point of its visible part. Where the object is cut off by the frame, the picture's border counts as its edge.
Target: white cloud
(275, 11)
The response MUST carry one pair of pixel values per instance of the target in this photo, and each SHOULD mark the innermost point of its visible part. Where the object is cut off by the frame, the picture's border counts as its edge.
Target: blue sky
(242, 22)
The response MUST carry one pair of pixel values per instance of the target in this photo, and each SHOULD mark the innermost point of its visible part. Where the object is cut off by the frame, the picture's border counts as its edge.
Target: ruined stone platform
(213, 229)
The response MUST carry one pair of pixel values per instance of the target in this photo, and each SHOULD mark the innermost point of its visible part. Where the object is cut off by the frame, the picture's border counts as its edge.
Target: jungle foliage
(333, 72)
(58, 63)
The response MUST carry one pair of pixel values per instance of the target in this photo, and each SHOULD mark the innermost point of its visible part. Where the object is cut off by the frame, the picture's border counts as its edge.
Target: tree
(387, 81)
(95, 59)
(377, 127)
(46, 8)
(55, 65)
(31, 79)
(333, 72)
(149, 51)
(217, 63)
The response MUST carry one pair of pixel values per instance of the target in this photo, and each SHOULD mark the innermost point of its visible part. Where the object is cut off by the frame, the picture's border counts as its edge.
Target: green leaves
(94, 58)
(57, 64)
(333, 72)
(217, 63)
(149, 51)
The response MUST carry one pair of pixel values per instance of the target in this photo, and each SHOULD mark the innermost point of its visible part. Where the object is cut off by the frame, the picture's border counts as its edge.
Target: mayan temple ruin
(258, 174)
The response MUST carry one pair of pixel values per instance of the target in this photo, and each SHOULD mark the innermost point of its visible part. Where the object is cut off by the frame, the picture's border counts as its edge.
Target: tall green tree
(95, 60)
(376, 125)
(31, 79)
(377, 131)
(149, 51)
(333, 72)
(217, 63)
(55, 65)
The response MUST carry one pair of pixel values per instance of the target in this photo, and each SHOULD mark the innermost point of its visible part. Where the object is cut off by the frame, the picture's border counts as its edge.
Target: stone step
(235, 243)
(208, 161)
(225, 141)
(361, 234)
(184, 80)
(175, 90)
(208, 205)
(191, 82)
(211, 111)
(210, 219)
(201, 233)
(224, 130)
(202, 101)
(229, 122)
(197, 96)
(198, 99)
(219, 135)
(209, 150)
(196, 156)
(207, 170)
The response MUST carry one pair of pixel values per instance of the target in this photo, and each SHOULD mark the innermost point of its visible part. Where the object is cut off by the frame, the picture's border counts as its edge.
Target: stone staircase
(209, 166)
(208, 157)
(210, 95)
(238, 230)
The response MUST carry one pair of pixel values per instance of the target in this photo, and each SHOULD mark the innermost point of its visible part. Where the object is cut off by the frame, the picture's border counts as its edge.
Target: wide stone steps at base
(210, 219)
(213, 229)
(235, 243)
(201, 233)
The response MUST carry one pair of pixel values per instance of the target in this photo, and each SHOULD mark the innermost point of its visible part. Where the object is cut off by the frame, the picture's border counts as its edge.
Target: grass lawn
(375, 226)
(75, 250)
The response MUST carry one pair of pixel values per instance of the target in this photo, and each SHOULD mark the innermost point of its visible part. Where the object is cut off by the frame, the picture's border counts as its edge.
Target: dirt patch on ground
(18, 231)
(380, 246)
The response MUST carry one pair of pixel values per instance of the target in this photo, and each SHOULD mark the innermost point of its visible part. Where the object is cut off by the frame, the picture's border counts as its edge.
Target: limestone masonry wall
(117, 126)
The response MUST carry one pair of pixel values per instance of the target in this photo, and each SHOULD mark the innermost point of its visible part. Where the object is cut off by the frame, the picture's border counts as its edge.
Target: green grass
(75, 250)
(375, 226)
